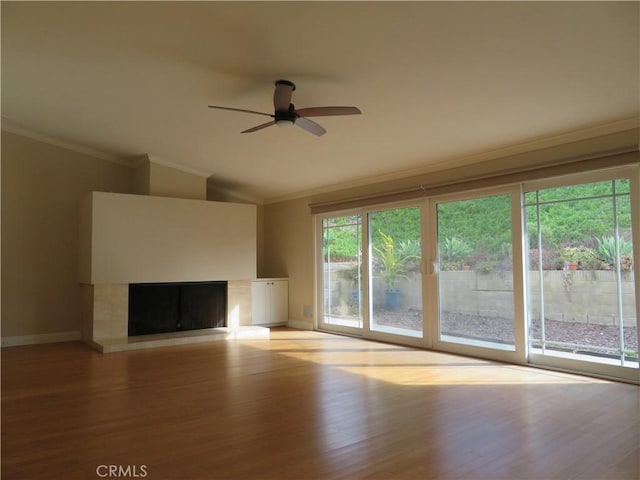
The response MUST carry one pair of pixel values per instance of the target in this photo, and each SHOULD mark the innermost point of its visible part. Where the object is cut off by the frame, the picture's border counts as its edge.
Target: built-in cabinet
(270, 301)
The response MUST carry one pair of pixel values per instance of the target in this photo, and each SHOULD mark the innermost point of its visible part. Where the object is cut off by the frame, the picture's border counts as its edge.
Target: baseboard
(40, 338)
(300, 324)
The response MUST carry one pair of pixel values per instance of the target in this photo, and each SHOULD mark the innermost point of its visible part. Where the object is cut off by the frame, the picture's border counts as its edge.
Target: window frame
(617, 372)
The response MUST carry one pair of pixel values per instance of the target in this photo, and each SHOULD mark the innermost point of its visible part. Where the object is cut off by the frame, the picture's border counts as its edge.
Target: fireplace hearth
(173, 307)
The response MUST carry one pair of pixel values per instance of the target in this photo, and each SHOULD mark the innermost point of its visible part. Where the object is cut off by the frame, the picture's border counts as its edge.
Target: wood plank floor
(307, 405)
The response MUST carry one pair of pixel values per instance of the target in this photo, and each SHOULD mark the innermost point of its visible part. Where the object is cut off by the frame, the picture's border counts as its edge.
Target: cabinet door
(259, 303)
(278, 301)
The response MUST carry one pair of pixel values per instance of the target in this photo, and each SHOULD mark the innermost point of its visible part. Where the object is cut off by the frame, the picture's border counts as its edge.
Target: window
(540, 272)
(475, 279)
(581, 285)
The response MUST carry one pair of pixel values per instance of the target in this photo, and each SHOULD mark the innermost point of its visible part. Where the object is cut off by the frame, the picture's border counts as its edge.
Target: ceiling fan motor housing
(286, 116)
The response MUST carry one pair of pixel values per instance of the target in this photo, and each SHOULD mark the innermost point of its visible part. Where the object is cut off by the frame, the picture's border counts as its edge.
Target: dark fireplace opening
(172, 307)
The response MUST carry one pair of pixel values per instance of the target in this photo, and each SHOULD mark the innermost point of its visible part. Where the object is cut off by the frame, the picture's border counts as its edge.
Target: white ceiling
(436, 82)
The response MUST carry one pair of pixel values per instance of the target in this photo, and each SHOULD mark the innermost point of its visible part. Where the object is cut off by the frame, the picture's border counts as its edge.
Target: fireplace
(173, 307)
(106, 310)
(125, 240)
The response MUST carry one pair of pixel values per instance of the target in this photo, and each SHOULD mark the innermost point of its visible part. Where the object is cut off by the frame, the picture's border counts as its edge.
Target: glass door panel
(342, 273)
(582, 303)
(395, 277)
(475, 272)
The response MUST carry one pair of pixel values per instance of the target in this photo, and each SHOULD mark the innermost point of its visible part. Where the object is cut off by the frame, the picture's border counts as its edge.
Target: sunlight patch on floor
(404, 365)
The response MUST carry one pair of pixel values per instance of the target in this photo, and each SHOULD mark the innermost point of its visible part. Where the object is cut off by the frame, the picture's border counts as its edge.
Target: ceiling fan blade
(327, 111)
(282, 95)
(259, 127)
(310, 126)
(240, 110)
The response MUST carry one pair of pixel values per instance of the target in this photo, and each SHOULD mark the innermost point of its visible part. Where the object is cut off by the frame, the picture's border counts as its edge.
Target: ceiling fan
(285, 113)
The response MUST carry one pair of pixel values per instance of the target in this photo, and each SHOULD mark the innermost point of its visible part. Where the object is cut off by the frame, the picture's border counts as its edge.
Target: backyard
(587, 337)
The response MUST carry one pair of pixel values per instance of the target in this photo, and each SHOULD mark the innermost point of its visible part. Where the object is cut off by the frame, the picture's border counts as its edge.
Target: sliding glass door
(373, 275)
(582, 303)
(395, 278)
(479, 291)
(370, 273)
(540, 272)
(341, 273)
(475, 279)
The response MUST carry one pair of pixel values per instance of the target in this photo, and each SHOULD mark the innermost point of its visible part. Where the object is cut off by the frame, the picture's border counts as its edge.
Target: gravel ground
(586, 337)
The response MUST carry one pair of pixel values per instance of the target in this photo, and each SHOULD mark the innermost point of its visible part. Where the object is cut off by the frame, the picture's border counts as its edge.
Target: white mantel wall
(138, 239)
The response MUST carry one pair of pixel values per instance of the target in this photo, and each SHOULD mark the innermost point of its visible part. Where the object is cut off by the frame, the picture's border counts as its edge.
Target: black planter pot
(392, 299)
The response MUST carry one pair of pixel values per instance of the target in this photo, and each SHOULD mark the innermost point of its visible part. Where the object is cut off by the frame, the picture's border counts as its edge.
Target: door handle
(431, 269)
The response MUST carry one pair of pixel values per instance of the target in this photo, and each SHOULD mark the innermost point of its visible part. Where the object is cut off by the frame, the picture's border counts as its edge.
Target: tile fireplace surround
(105, 309)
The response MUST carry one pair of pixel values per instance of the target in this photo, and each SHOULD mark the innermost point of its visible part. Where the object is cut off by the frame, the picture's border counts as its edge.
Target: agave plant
(607, 249)
(410, 251)
(453, 251)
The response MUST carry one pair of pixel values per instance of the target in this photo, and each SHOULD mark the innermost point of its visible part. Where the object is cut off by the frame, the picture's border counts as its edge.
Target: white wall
(138, 239)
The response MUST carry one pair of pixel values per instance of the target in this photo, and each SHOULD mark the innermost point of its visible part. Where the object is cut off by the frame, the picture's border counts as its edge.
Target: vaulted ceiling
(438, 83)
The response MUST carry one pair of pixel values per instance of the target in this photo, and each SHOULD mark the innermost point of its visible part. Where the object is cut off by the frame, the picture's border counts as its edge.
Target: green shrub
(585, 257)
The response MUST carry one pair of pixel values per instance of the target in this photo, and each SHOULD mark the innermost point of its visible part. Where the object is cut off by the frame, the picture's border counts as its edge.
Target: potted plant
(392, 269)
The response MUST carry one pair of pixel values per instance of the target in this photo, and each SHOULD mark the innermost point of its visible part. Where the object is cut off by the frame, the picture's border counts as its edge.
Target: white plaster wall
(139, 238)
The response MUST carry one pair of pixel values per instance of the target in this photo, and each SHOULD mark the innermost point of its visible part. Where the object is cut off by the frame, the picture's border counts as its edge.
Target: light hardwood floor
(307, 405)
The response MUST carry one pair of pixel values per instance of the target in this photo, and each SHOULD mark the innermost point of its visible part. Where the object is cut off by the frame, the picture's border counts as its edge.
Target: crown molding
(74, 147)
(632, 123)
(132, 162)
